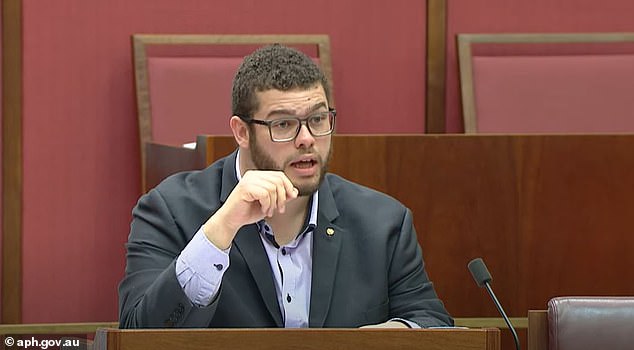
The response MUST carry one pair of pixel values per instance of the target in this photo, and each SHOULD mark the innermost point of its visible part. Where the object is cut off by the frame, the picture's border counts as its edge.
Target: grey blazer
(370, 270)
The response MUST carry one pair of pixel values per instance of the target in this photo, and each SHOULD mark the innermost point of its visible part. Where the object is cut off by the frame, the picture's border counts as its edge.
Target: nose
(304, 139)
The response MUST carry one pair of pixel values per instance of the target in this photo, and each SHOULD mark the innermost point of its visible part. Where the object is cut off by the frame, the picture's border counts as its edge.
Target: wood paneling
(310, 339)
(11, 161)
(550, 214)
(538, 330)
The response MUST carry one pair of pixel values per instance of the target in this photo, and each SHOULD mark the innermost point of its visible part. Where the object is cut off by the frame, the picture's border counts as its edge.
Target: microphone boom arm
(506, 319)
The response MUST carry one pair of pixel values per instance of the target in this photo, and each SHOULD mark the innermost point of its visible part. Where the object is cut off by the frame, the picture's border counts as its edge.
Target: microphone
(482, 277)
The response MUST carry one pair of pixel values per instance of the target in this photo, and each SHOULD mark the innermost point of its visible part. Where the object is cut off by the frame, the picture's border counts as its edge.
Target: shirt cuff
(408, 323)
(200, 267)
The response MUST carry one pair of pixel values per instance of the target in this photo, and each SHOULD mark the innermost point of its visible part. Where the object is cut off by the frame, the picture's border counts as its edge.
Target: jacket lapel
(248, 243)
(327, 239)
(229, 178)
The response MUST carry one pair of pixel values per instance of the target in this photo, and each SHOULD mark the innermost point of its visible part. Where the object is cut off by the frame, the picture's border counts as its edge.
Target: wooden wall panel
(549, 214)
(11, 161)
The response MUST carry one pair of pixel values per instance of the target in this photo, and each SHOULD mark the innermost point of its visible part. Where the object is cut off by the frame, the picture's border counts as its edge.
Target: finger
(271, 193)
(289, 188)
(273, 199)
(281, 197)
(259, 194)
(265, 203)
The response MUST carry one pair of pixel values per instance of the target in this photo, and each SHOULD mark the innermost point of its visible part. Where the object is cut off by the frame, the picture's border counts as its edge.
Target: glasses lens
(321, 124)
(284, 129)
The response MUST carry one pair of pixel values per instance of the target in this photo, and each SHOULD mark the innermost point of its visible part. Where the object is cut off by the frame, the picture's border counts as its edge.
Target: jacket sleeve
(411, 293)
(150, 295)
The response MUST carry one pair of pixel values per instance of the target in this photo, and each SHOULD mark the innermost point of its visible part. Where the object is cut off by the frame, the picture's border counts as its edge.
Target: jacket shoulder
(194, 183)
(350, 193)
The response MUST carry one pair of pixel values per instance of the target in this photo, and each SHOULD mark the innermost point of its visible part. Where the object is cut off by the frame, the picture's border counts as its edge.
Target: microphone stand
(506, 319)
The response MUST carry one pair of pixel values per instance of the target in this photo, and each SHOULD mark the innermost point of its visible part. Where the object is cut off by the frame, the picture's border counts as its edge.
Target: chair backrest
(547, 83)
(583, 323)
(183, 82)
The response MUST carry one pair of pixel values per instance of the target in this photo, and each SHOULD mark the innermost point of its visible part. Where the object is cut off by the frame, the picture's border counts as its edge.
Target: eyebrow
(293, 112)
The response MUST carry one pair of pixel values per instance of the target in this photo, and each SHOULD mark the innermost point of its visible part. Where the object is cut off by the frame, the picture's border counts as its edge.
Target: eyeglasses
(287, 129)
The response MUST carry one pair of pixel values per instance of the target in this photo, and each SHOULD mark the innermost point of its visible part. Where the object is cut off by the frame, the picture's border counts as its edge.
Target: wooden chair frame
(140, 43)
(465, 56)
(537, 329)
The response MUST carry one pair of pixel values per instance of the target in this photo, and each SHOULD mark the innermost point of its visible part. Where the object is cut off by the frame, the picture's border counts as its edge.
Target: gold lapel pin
(330, 231)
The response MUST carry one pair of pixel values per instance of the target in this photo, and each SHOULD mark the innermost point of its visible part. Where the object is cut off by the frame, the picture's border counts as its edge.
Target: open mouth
(304, 164)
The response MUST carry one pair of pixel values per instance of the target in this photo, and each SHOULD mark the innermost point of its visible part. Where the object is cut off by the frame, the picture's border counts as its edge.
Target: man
(265, 237)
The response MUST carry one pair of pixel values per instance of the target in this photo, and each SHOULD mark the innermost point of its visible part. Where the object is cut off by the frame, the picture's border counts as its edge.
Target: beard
(263, 161)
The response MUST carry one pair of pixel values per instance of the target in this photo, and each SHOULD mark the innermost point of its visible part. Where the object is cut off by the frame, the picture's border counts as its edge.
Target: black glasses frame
(331, 113)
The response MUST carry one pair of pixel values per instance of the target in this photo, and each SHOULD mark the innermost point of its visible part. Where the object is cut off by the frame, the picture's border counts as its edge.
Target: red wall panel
(537, 16)
(81, 159)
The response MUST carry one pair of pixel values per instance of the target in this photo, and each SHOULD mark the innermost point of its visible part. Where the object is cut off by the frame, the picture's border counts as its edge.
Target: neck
(287, 225)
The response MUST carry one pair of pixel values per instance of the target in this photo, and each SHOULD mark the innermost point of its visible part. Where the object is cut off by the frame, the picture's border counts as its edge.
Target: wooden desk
(306, 339)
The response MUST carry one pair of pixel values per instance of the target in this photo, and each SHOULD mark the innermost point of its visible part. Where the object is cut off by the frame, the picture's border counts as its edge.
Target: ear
(240, 131)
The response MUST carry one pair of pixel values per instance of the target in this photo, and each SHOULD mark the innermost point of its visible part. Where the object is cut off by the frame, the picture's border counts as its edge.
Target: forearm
(200, 268)
(162, 304)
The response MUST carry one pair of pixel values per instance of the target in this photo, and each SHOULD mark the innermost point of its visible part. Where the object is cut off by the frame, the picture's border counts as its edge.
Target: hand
(259, 194)
(388, 324)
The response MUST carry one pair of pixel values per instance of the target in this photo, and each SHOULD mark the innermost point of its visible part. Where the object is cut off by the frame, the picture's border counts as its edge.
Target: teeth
(304, 163)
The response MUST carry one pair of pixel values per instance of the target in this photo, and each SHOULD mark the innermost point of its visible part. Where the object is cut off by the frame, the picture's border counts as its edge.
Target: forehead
(297, 101)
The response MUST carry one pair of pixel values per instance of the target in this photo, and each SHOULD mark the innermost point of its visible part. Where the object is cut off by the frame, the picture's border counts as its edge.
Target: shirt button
(218, 267)
(288, 298)
(283, 251)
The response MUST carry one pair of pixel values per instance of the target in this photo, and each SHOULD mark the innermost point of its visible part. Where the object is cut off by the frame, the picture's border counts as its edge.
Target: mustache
(302, 152)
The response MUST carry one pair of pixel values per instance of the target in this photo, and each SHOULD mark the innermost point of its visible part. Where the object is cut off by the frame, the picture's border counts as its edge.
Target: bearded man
(265, 237)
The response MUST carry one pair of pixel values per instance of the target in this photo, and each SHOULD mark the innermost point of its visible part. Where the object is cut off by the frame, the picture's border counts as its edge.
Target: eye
(318, 118)
(282, 124)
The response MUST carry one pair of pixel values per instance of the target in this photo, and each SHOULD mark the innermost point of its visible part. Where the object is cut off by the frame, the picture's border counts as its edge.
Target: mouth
(304, 164)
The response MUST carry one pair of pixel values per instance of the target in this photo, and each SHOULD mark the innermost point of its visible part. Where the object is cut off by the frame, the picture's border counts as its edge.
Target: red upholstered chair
(183, 83)
(547, 83)
(583, 323)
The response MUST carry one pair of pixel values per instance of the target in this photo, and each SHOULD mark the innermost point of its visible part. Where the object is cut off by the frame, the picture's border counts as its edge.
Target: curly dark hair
(273, 67)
